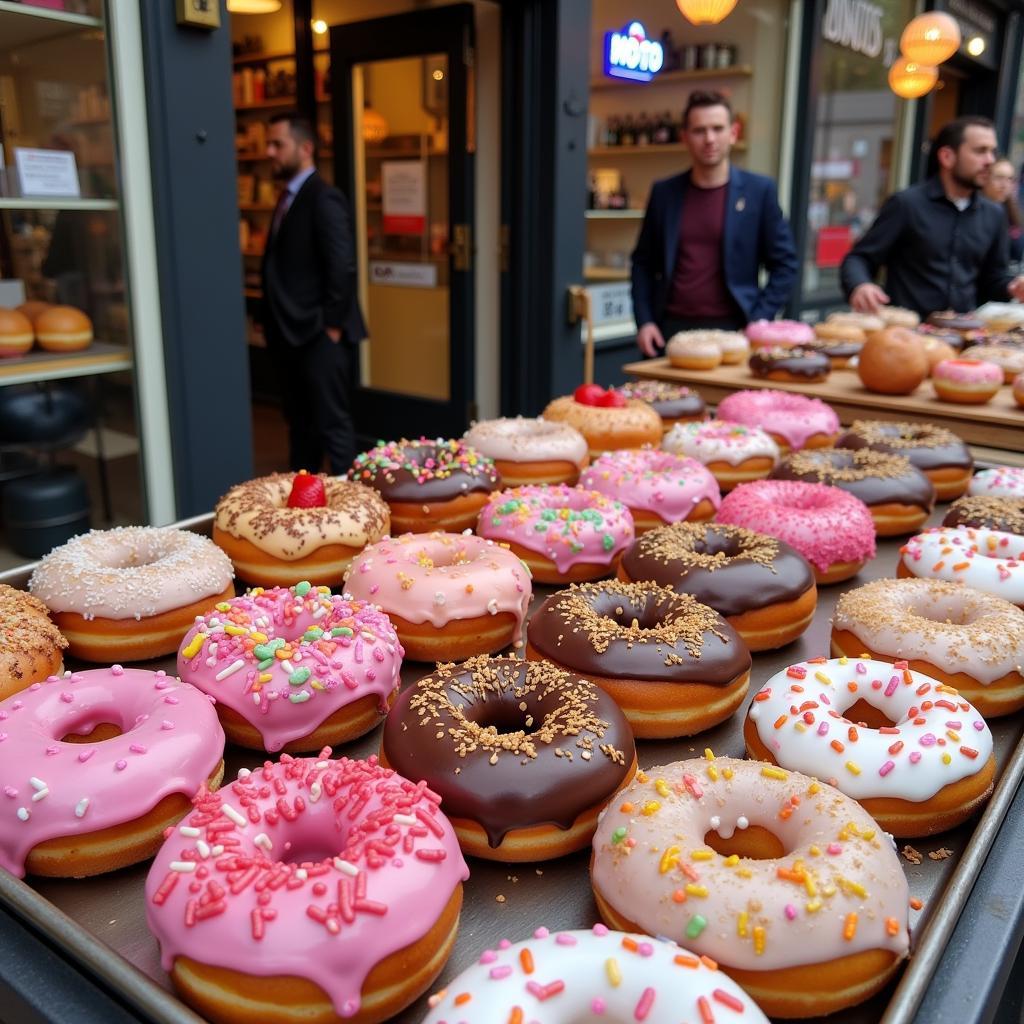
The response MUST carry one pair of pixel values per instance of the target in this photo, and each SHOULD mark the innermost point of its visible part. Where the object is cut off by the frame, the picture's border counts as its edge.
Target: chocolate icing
(797, 360)
(728, 568)
(638, 631)
(510, 744)
(834, 348)
(877, 478)
(955, 321)
(669, 401)
(987, 513)
(926, 446)
(402, 471)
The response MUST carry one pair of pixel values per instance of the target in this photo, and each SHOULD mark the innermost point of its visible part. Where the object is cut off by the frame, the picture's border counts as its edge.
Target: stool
(43, 511)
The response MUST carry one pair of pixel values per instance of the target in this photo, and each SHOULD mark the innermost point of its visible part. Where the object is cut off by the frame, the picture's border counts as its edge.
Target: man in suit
(705, 237)
(311, 313)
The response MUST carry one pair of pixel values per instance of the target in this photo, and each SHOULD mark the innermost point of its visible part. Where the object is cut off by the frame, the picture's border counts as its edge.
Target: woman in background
(1002, 189)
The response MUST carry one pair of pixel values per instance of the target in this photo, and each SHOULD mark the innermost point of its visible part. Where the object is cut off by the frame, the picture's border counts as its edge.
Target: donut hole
(715, 543)
(88, 733)
(306, 850)
(504, 716)
(865, 714)
(754, 842)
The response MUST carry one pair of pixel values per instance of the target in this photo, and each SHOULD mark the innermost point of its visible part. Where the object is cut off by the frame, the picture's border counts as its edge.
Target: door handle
(461, 248)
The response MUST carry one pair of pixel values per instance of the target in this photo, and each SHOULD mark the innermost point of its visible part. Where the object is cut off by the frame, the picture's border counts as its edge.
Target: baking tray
(100, 922)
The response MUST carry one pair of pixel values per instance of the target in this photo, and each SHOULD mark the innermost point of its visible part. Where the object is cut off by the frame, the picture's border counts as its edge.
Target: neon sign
(630, 54)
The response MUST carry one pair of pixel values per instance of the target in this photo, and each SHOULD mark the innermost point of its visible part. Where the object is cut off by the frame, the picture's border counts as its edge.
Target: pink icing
(170, 743)
(342, 651)
(438, 577)
(968, 371)
(778, 332)
(825, 524)
(793, 417)
(313, 868)
(568, 525)
(668, 485)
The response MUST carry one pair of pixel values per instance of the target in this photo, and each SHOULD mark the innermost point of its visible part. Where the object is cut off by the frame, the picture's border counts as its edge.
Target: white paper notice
(404, 197)
(47, 172)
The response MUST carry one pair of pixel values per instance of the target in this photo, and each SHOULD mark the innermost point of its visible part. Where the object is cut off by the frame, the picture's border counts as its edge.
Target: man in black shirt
(943, 244)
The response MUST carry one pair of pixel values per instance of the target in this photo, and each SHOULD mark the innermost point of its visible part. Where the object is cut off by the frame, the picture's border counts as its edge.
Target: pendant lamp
(705, 12)
(375, 128)
(910, 80)
(253, 6)
(930, 38)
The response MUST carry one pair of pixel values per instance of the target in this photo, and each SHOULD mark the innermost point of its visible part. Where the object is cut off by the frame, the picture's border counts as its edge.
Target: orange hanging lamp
(705, 12)
(910, 80)
(930, 38)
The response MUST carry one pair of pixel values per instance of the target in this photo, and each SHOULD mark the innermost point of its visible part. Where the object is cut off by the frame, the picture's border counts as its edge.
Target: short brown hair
(300, 127)
(705, 98)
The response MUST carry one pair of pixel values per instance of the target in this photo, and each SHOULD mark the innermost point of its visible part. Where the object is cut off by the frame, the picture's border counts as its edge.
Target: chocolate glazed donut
(762, 586)
(796, 363)
(987, 513)
(674, 666)
(523, 755)
(674, 403)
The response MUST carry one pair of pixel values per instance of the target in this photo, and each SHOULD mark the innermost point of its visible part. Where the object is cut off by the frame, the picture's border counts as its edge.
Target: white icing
(1000, 482)
(720, 441)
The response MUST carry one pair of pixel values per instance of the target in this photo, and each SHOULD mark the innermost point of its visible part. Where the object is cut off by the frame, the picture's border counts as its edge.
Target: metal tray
(100, 922)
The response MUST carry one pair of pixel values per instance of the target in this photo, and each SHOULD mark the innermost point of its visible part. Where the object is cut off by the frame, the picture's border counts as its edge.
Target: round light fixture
(253, 6)
(705, 12)
(437, 75)
(319, 26)
(930, 38)
(910, 80)
(375, 128)
(975, 46)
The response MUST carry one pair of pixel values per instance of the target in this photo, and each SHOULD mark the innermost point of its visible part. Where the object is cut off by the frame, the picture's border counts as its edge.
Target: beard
(965, 181)
(285, 171)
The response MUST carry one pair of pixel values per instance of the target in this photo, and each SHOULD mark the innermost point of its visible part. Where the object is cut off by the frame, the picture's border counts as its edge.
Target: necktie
(283, 202)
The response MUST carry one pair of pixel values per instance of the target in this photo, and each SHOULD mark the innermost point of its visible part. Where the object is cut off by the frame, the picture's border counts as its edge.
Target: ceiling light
(253, 6)
(437, 74)
(975, 46)
(319, 26)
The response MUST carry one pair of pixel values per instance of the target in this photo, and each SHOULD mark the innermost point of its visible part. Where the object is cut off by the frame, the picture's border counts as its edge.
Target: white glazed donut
(987, 560)
(529, 451)
(733, 453)
(999, 482)
(595, 974)
(905, 775)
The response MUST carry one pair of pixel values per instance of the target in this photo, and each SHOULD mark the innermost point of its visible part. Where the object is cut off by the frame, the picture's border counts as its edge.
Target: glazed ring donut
(97, 764)
(793, 421)
(987, 560)
(769, 333)
(32, 646)
(693, 350)
(734, 454)
(1009, 358)
(333, 891)
(762, 587)
(812, 920)
(843, 331)
(866, 322)
(1006, 514)
(898, 495)
(294, 668)
(273, 542)
(448, 595)
(840, 353)
(808, 719)
(596, 973)
(530, 451)
(733, 345)
(523, 755)
(959, 636)
(657, 487)
(563, 534)
(608, 428)
(998, 482)
(962, 323)
(937, 452)
(966, 381)
(899, 316)
(428, 485)
(674, 403)
(674, 666)
(833, 530)
(131, 593)
(792, 363)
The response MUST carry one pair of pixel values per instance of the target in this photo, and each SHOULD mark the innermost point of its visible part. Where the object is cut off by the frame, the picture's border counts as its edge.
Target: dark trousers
(316, 381)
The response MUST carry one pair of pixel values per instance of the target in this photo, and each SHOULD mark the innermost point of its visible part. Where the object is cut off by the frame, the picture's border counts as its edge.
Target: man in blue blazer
(706, 235)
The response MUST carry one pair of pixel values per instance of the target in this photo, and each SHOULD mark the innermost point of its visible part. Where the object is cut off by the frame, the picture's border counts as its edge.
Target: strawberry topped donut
(794, 421)
(287, 527)
(530, 451)
(607, 419)
(564, 534)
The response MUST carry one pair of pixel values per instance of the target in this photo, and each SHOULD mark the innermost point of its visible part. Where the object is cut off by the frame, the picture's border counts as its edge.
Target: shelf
(404, 151)
(246, 158)
(99, 357)
(614, 214)
(606, 274)
(262, 58)
(655, 149)
(21, 25)
(280, 101)
(670, 77)
(55, 203)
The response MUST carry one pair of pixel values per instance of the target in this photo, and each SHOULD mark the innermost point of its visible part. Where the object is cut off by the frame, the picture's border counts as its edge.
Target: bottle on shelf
(259, 85)
(663, 130)
(627, 134)
(643, 131)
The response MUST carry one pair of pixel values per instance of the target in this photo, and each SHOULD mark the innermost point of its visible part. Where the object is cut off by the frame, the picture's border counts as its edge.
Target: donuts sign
(630, 54)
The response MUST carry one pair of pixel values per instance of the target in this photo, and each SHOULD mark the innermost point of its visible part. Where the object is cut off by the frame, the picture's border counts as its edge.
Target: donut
(448, 595)
(845, 331)
(428, 485)
(293, 668)
(732, 344)
(898, 316)
(674, 666)
(523, 755)
(97, 764)
(1001, 316)
(769, 333)
(131, 593)
(608, 427)
(866, 322)
(807, 719)
(530, 451)
(16, 333)
(966, 381)
(898, 495)
(63, 329)
(732, 453)
(1010, 359)
(312, 889)
(762, 587)
(31, 647)
(657, 487)
(953, 339)
(784, 882)
(987, 560)
(693, 350)
(674, 403)
(971, 641)
(563, 534)
(594, 973)
(841, 354)
(1006, 514)
(937, 452)
(962, 323)
(287, 527)
(793, 421)
(998, 482)
(831, 528)
(1018, 389)
(790, 363)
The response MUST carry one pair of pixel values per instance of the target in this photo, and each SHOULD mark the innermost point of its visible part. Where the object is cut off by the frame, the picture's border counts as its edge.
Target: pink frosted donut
(998, 482)
(294, 667)
(768, 333)
(971, 381)
(310, 870)
(831, 528)
(59, 794)
(449, 595)
(564, 534)
(657, 487)
(794, 421)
